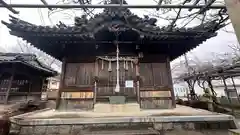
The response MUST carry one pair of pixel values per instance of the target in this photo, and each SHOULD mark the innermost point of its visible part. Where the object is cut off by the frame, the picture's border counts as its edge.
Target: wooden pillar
(170, 82)
(10, 83)
(95, 82)
(58, 99)
(138, 81)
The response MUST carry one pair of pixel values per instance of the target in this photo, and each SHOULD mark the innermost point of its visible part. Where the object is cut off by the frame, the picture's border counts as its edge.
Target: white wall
(217, 84)
(53, 84)
(180, 89)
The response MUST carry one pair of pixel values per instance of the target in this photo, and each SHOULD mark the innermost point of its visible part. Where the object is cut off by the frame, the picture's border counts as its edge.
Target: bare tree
(236, 52)
(180, 71)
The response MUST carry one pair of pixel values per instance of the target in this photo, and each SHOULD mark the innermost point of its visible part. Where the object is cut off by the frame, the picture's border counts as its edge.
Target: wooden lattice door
(107, 75)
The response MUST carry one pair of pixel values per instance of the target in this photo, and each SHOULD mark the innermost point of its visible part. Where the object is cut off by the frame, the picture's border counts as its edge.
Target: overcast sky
(217, 44)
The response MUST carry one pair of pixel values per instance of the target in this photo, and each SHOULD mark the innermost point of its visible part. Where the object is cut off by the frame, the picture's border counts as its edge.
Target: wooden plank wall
(22, 88)
(78, 88)
(155, 84)
(155, 88)
(79, 74)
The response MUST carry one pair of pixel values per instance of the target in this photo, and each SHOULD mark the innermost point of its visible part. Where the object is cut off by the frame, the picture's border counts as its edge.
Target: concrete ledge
(67, 121)
(127, 129)
(234, 132)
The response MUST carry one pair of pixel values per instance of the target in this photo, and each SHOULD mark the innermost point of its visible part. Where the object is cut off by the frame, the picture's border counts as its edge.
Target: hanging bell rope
(109, 66)
(126, 65)
(102, 65)
(131, 65)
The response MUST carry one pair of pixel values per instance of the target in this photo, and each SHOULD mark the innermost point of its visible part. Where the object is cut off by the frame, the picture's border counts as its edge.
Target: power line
(41, 16)
(112, 6)
(8, 6)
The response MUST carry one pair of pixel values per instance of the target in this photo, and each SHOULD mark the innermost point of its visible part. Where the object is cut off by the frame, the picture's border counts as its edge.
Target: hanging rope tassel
(102, 65)
(126, 65)
(109, 66)
(132, 65)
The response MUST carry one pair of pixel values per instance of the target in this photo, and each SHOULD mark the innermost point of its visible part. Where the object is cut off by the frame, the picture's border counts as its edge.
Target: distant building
(53, 83)
(180, 90)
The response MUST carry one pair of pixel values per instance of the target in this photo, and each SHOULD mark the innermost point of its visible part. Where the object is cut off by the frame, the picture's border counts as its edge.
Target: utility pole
(233, 9)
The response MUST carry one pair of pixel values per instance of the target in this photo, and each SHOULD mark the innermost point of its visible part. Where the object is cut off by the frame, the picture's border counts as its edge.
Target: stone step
(108, 108)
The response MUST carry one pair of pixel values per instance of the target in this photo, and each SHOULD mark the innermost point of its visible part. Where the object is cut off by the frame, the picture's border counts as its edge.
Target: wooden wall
(22, 87)
(155, 86)
(78, 86)
(155, 90)
(79, 75)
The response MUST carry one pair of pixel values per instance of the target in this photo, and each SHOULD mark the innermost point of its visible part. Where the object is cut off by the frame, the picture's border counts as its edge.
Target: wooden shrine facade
(91, 81)
(114, 53)
(22, 77)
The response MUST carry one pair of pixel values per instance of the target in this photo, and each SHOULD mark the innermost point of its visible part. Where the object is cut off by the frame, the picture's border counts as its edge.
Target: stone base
(129, 129)
(108, 108)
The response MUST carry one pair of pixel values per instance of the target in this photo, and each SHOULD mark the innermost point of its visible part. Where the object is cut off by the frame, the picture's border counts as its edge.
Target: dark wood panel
(146, 74)
(79, 74)
(105, 91)
(79, 59)
(160, 74)
(108, 91)
(153, 58)
(71, 73)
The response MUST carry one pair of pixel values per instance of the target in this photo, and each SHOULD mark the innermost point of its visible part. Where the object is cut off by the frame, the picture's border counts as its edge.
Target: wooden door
(107, 74)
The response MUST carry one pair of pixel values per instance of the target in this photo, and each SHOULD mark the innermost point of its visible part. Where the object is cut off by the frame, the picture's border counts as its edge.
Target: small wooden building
(22, 77)
(114, 57)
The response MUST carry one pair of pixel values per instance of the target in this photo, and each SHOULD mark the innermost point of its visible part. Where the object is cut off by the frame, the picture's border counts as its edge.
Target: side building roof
(28, 60)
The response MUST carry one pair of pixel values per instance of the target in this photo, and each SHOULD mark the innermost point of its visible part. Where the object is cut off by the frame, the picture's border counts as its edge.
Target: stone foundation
(130, 129)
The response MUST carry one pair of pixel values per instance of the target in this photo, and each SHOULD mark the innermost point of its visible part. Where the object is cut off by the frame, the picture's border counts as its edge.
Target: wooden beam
(10, 82)
(170, 82)
(233, 9)
(58, 100)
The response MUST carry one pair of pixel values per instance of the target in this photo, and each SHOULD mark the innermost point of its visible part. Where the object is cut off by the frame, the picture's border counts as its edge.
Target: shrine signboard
(233, 7)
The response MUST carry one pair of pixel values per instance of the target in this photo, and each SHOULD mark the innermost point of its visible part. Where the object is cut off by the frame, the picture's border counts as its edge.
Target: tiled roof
(27, 59)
